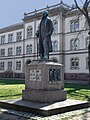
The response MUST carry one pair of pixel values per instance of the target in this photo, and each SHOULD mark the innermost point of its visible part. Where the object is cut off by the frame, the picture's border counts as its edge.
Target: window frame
(29, 32)
(73, 63)
(3, 39)
(10, 51)
(19, 36)
(29, 49)
(73, 45)
(2, 52)
(55, 46)
(10, 38)
(55, 25)
(18, 65)
(2, 65)
(18, 50)
(10, 65)
(74, 28)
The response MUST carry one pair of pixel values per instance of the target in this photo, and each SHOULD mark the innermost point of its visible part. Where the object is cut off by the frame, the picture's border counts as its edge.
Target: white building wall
(57, 18)
(19, 71)
(64, 36)
(82, 63)
(68, 20)
(29, 41)
(27, 25)
(82, 21)
(82, 38)
(14, 44)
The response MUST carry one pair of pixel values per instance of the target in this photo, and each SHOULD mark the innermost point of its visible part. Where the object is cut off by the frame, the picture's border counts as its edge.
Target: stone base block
(44, 96)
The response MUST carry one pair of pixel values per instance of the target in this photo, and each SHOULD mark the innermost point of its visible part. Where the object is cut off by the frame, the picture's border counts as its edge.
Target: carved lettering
(54, 75)
(35, 75)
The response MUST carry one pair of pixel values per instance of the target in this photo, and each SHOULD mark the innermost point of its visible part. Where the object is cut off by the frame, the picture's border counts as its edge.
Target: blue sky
(11, 11)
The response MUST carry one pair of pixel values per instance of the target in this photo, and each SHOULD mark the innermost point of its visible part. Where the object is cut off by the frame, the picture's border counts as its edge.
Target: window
(18, 65)
(74, 25)
(87, 42)
(10, 38)
(19, 36)
(10, 65)
(2, 52)
(55, 25)
(10, 51)
(1, 65)
(18, 50)
(74, 44)
(55, 45)
(2, 39)
(29, 49)
(29, 32)
(74, 63)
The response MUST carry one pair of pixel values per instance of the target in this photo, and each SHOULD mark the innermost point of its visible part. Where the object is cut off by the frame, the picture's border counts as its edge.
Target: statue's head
(45, 13)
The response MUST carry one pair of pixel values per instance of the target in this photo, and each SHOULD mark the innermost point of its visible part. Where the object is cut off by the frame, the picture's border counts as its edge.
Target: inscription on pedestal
(35, 75)
(54, 75)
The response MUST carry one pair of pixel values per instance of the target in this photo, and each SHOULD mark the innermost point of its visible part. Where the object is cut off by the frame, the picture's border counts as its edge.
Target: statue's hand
(47, 35)
(37, 33)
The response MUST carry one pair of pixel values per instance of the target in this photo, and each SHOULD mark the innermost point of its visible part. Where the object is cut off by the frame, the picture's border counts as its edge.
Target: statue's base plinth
(44, 82)
(44, 96)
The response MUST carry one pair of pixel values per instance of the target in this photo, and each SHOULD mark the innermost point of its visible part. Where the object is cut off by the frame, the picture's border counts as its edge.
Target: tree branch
(85, 7)
(79, 8)
(85, 4)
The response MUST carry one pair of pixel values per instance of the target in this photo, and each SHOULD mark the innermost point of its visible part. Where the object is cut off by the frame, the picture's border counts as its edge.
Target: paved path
(6, 114)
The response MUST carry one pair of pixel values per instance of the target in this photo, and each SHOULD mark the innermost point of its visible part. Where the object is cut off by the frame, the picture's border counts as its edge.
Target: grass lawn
(78, 91)
(12, 89)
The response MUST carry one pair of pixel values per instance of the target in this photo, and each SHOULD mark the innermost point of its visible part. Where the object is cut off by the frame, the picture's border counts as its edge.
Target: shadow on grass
(6, 97)
(77, 86)
(77, 91)
(11, 82)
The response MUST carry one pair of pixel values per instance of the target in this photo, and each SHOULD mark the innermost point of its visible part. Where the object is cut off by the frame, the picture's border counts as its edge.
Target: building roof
(51, 9)
(11, 28)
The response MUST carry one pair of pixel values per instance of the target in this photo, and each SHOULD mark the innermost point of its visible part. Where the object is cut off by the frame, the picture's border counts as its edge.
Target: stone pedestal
(44, 82)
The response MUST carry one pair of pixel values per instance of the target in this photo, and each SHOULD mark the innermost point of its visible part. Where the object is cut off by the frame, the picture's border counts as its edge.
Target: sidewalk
(83, 114)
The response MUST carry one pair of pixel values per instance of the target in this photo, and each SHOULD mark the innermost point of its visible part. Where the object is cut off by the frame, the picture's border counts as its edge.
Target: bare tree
(85, 12)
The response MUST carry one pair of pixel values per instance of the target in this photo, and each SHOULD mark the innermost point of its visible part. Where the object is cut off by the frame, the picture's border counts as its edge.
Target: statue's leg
(41, 49)
(41, 56)
(46, 49)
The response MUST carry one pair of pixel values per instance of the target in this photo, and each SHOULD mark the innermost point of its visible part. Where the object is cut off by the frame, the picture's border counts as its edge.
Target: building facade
(19, 44)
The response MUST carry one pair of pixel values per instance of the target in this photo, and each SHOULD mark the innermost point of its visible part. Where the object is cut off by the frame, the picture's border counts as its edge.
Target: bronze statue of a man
(44, 33)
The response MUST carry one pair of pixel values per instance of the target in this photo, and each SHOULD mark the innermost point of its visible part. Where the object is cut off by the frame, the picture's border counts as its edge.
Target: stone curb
(43, 112)
(31, 116)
